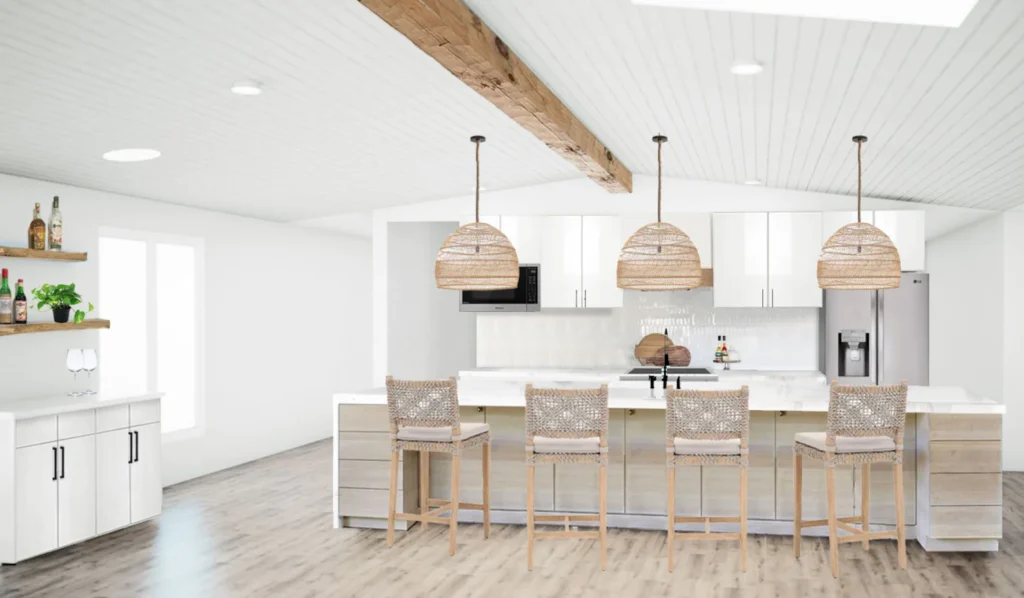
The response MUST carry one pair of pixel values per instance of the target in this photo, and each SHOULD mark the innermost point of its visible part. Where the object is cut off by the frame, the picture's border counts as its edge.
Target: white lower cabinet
(76, 490)
(114, 452)
(66, 490)
(147, 492)
(36, 499)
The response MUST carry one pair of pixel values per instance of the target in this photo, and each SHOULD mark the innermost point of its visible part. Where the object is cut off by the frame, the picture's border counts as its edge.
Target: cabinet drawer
(365, 446)
(36, 430)
(76, 423)
(111, 418)
(146, 412)
(966, 522)
(965, 427)
(363, 418)
(966, 456)
(972, 489)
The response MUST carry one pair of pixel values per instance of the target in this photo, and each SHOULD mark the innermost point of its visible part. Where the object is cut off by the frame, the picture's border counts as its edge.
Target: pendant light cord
(478, 181)
(659, 180)
(860, 175)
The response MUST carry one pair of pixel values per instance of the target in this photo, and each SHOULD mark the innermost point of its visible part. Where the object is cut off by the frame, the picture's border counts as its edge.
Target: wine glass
(75, 361)
(89, 363)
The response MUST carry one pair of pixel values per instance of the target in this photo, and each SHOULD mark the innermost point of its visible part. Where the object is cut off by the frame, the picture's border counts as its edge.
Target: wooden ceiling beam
(450, 33)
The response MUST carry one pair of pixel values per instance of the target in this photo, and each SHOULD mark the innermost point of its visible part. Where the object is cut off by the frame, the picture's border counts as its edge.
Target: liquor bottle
(56, 226)
(725, 350)
(718, 350)
(37, 231)
(6, 305)
(20, 304)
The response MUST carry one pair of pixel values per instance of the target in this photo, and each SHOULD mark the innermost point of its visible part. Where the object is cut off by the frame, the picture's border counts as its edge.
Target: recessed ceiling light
(752, 182)
(247, 88)
(746, 67)
(947, 13)
(132, 154)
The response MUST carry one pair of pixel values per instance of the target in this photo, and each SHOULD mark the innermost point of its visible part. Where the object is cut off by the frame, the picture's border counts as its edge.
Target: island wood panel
(647, 470)
(970, 489)
(363, 418)
(966, 522)
(577, 484)
(471, 480)
(815, 504)
(357, 473)
(366, 446)
(721, 484)
(508, 463)
(943, 426)
(966, 456)
(883, 497)
(373, 503)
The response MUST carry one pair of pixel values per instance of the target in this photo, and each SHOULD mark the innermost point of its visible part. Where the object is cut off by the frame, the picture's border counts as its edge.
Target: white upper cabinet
(741, 259)
(561, 261)
(794, 243)
(906, 229)
(526, 235)
(602, 244)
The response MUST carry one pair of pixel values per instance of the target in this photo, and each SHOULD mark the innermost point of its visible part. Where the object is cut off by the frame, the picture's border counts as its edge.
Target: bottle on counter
(56, 226)
(6, 304)
(20, 304)
(718, 350)
(37, 231)
(725, 350)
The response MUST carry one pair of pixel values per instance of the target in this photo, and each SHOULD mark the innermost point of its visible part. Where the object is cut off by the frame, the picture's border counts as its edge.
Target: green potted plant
(60, 298)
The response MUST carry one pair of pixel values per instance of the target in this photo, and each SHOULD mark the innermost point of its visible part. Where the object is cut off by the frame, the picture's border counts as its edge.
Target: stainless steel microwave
(525, 297)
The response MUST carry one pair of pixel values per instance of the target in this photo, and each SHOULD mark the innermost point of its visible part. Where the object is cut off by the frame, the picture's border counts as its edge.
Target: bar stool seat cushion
(543, 444)
(685, 446)
(848, 444)
(442, 434)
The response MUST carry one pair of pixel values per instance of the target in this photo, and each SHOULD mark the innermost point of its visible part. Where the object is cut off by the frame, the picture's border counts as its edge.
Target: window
(151, 291)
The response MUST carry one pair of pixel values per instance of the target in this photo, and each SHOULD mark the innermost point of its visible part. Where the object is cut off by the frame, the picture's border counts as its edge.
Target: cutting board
(648, 347)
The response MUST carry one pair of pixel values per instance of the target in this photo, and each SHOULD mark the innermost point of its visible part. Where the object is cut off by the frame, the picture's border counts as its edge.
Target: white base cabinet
(76, 474)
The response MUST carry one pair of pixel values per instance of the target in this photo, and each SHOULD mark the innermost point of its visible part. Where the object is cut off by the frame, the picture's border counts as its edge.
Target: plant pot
(60, 314)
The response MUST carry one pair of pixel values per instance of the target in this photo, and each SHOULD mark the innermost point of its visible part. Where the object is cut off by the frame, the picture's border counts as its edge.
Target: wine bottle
(37, 231)
(718, 350)
(6, 305)
(56, 226)
(20, 304)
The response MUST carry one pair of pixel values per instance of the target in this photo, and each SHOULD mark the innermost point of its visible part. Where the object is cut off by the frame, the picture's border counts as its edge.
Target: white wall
(286, 319)
(976, 326)
(428, 337)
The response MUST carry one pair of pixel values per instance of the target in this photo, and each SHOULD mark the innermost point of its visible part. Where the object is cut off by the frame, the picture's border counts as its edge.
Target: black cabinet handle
(131, 456)
(136, 447)
(62, 463)
(55, 464)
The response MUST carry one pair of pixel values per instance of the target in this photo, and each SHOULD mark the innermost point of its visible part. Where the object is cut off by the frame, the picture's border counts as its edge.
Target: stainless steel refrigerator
(878, 337)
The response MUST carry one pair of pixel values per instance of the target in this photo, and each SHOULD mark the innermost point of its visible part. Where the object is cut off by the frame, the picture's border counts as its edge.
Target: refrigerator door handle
(881, 338)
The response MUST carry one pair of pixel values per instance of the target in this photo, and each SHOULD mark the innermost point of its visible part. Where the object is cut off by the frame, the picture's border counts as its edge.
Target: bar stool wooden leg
(833, 540)
(454, 521)
(798, 483)
(603, 510)
(487, 489)
(901, 533)
(392, 497)
(529, 516)
(424, 485)
(671, 516)
(865, 500)
(743, 517)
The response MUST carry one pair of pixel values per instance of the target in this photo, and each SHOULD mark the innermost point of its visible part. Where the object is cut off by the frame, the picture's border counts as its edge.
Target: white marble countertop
(769, 391)
(27, 408)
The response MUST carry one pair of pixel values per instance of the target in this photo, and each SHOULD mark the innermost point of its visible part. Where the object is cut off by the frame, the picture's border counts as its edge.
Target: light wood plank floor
(264, 529)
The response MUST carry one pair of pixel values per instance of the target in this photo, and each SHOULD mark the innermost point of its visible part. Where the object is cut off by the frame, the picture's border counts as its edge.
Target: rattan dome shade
(477, 257)
(659, 257)
(859, 256)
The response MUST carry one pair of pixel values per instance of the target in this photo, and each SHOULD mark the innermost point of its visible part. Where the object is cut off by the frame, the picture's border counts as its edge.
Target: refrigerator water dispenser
(854, 355)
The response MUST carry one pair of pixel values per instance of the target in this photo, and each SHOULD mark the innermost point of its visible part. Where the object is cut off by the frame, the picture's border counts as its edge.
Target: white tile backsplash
(766, 338)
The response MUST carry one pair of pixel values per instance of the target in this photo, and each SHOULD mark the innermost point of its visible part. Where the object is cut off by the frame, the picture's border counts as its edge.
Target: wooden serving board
(648, 347)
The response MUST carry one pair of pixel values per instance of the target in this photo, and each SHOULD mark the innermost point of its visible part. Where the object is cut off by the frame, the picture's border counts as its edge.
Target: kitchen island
(952, 459)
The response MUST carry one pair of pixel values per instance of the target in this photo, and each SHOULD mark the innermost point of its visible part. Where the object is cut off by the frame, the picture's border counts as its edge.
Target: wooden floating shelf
(32, 327)
(39, 254)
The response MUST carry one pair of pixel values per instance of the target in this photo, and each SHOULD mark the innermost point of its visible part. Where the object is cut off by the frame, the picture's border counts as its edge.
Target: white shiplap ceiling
(943, 108)
(352, 117)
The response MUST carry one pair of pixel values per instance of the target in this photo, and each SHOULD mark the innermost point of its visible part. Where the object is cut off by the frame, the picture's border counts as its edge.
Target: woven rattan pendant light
(859, 256)
(477, 256)
(659, 256)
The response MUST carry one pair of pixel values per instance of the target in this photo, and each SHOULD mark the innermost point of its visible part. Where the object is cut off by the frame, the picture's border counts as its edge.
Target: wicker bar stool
(567, 426)
(424, 417)
(707, 427)
(865, 426)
